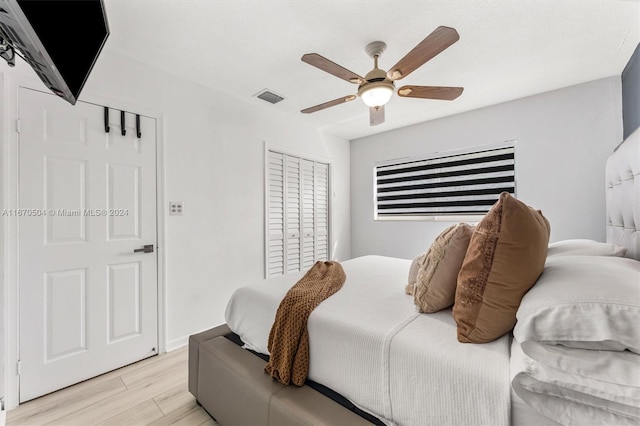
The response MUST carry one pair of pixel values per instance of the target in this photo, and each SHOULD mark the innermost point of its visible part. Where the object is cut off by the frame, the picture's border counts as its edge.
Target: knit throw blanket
(289, 339)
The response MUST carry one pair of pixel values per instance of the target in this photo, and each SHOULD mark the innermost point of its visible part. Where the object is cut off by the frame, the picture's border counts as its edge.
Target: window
(464, 183)
(297, 212)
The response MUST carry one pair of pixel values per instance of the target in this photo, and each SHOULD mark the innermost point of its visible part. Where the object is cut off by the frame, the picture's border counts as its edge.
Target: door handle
(147, 248)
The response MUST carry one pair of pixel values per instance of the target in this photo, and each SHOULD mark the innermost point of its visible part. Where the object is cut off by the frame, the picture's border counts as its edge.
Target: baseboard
(183, 341)
(178, 343)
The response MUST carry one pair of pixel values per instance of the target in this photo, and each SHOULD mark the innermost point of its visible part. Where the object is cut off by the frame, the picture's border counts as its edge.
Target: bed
(374, 358)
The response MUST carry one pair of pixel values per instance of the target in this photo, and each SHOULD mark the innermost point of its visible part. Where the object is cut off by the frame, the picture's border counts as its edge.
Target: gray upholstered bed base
(230, 384)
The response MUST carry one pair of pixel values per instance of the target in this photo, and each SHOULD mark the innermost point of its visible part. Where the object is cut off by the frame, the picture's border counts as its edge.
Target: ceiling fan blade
(433, 44)
(328, 104)
(430, 92)
(332, 68)
(376, 115)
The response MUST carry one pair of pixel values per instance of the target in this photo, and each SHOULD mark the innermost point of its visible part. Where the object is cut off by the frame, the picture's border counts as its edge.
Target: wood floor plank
(142, 414)
(208, 422)
(64, 402)
(131, 367)
(84, 388)
(118, 403)
(55, 397)
(193, 417)
(152, 391)
(175, 399)
(165, 362)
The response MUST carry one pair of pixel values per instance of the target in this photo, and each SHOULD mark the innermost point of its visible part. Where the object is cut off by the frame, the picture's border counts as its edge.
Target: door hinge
(19, 368)
(18, 125)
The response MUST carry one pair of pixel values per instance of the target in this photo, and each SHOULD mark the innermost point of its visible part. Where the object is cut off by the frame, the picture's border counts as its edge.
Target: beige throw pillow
(505, 257)
(436, 280)
(413, 274)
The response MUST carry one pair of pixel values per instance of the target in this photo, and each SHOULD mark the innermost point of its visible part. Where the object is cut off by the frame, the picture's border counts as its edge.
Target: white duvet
(578, 386)
(368, 343)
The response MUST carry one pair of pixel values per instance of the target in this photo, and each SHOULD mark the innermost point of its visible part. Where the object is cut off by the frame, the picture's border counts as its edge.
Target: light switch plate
(175, 208)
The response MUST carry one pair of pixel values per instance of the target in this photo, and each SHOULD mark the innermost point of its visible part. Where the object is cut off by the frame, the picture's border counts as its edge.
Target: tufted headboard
(623, 195)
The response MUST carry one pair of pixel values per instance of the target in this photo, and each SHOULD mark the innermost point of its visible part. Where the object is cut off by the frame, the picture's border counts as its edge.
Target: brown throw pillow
(505, 257)
(413, 274)
(436, 281)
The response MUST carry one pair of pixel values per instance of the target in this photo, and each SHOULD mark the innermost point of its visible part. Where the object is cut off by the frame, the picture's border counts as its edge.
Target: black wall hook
(124, 131)
(138, 132)
(106, 120)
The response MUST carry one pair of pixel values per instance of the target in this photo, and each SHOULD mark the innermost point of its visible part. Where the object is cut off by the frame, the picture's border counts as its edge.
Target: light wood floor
(150, 392)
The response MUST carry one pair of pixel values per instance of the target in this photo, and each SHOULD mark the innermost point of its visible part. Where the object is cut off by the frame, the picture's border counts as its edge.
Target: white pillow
(606, 367)
(576, 386)
(587, 302)
(585, 247)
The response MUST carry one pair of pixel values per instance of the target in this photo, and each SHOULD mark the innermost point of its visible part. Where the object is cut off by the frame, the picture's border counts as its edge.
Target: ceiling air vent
(269, 96)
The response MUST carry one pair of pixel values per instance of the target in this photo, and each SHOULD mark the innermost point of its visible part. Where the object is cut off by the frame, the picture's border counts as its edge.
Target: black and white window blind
(297, 213)
(461, 184)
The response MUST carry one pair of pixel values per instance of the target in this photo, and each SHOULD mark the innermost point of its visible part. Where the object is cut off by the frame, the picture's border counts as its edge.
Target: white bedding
(368, 343)
(578, 386)
(579, 352)
(521, 413)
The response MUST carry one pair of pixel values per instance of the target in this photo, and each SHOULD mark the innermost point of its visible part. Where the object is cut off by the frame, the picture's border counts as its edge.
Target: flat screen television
(59, 39)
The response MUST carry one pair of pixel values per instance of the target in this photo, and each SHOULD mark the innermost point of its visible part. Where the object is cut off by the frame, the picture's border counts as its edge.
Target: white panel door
(87, 200)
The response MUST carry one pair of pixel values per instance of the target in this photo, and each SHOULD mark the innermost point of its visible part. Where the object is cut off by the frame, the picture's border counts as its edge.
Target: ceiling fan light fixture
(377, 93)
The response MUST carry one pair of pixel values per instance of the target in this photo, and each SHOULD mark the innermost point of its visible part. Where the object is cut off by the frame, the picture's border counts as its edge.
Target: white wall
(214, 164)
(563, 139)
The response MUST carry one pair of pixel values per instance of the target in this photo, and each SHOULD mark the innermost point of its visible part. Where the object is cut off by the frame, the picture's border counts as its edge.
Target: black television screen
(60, 39)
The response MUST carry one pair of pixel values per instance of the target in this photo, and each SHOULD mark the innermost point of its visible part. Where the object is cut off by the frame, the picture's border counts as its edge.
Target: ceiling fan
(377, 86)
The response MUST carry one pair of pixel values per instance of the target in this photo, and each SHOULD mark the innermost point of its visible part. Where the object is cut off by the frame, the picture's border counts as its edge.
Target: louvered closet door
(275, 214)
(322, 211)
(308, 214)
(292, 216)
(298, 213)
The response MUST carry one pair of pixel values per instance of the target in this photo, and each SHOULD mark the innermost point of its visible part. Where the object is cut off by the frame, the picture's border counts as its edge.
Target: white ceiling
(508, 49)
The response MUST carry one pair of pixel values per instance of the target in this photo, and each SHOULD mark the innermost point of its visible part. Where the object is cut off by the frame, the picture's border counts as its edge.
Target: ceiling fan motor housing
(375, 74)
